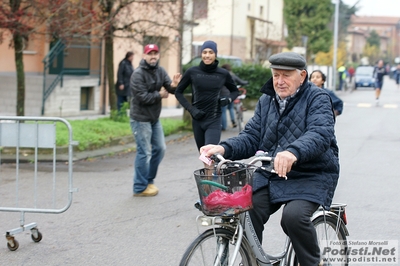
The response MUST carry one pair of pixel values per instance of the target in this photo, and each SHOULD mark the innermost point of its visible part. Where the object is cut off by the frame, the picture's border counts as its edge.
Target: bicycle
(232, 240)
(239, 108)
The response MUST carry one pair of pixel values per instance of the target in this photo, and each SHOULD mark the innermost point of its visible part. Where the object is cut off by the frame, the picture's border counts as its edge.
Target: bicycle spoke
(214, 249)
(330, 233)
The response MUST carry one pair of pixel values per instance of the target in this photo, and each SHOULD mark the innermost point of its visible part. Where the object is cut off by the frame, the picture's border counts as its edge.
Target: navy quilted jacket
(306, 129)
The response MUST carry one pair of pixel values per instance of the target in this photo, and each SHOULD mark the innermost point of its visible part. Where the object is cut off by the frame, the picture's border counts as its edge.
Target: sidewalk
(165, 112)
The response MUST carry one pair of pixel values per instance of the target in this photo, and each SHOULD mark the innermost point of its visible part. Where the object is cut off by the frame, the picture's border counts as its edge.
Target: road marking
(393, 106)
(365, 105)
(368, 105)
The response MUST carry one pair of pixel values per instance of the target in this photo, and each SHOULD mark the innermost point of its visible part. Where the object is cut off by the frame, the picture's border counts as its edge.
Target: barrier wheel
(38, 238)
(14, 246)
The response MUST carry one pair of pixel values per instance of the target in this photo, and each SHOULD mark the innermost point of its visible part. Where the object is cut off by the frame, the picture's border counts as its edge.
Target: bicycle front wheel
(331, 236)
(215, 248)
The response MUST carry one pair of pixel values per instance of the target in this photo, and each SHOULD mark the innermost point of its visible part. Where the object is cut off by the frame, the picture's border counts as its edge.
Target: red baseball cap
(150, 47)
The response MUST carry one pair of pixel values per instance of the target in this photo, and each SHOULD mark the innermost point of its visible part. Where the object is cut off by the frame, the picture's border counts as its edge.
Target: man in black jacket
(150, 83)
(293, 122)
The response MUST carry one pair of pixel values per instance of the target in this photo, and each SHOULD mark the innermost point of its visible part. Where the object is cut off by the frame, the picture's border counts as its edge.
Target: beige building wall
(34, 52)
(169, 59)
(239, 26)
(66, 100)
(386, 27)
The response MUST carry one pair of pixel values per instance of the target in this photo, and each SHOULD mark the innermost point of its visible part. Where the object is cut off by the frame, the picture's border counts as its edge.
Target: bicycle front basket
(226, 194)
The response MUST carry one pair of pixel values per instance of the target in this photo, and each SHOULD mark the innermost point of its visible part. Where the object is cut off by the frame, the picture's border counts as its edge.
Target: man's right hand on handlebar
(283, 163)
(211, 149)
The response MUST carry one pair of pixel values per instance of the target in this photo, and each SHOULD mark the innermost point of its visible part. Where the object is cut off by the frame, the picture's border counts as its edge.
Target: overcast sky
(387, 8)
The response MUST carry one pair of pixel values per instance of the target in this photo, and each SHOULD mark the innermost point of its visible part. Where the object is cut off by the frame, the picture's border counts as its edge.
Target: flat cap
(287, 61)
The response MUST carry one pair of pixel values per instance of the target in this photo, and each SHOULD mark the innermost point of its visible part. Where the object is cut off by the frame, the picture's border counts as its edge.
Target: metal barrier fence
(23, 188)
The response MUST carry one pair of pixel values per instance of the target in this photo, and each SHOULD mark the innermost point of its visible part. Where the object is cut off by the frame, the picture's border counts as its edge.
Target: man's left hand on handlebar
(283, 163)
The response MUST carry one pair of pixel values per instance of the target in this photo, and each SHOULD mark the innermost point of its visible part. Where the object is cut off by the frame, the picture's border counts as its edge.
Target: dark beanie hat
(210, 44)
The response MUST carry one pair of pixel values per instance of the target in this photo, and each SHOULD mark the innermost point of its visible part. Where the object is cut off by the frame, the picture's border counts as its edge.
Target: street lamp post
(335, 42)
(304, 40)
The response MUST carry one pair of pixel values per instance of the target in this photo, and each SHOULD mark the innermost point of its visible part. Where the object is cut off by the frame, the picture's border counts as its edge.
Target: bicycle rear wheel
(331, 236)
(328, 232)
(213, 248)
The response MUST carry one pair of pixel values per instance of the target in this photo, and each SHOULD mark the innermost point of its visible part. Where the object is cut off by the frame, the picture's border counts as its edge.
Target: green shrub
(100, 132)
(121, 116)
(256, 75)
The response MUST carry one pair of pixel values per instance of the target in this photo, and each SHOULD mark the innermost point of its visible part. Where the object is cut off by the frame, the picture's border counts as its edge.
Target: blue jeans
(231, 113)
(150, 150)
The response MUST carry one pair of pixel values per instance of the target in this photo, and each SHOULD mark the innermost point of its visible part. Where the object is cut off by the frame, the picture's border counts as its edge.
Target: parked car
(234, 61)
(364, 77)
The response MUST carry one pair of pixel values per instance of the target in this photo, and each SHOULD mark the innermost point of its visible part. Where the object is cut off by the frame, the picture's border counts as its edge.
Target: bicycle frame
(263, 258)
(244, 231)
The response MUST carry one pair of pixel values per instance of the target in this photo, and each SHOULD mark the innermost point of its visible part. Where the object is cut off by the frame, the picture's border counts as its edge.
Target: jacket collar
(209, 68)
(268, 87)
(145, 65)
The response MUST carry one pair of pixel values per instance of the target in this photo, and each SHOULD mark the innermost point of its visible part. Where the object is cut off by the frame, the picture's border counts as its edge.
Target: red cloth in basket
(219, 199)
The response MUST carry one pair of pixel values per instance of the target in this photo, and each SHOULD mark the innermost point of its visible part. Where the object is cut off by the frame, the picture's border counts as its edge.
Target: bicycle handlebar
(260, 157)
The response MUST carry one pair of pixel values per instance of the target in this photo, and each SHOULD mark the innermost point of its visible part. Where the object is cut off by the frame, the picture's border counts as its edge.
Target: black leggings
(295, 223)
(207, 131)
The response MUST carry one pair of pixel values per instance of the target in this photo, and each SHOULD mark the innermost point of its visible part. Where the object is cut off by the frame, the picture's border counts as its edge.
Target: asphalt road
(105, 225)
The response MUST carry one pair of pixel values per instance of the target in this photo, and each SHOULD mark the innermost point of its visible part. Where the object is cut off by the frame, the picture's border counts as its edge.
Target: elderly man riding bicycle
(294, 122)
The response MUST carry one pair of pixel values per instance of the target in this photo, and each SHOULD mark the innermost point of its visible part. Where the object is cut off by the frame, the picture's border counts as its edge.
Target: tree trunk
(19, 64)
(109, 54)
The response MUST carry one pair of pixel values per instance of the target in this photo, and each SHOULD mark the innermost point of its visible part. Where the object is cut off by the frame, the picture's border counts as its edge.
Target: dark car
(234, 61)
(364, 77)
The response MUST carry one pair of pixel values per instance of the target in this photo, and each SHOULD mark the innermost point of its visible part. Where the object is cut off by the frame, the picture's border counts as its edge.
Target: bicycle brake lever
(273, 171)
(270, 169)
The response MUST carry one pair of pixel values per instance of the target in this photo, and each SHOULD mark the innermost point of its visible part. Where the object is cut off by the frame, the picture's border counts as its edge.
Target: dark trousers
(341, 81)
(207, 131)
(120, 101)
(295, 223)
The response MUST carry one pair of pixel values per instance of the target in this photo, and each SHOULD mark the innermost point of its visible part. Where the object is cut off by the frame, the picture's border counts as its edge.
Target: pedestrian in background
(225, 92)
(122, 87)
(150, 84)
(397, 75)
(207, 81)
(351, 74)
(341, 76)
(319, 78)
(379, 73)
